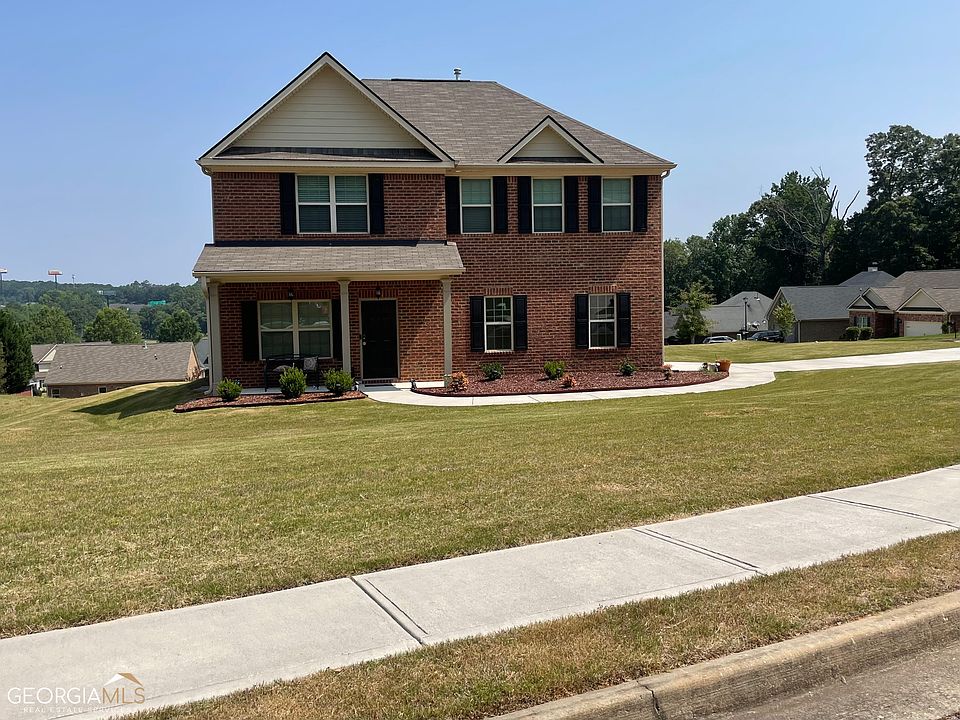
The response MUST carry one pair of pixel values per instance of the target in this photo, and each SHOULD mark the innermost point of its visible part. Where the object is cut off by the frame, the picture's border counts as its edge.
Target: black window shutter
(519, 322)
(452, 192)
(581, 310)
(288, 204)
(337, 329)
(500, 205)
(524, 206)
(476, 324)
(375, 183)
(571, 204)
(250, 329)
(594, 206)
(623, 319)
(640, 202)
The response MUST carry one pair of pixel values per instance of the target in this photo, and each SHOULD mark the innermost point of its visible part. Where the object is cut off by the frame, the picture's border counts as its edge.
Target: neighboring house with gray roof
(917, 302)
(82, 369)
(405, 229)
(738, 314)
(820, 310)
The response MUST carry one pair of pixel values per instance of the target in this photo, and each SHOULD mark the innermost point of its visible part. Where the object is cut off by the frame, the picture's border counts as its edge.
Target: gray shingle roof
(869, 278)
(89, 364)
(335, 258)
(820, 302)
(947, 298)
(476, 122)
(913, 280)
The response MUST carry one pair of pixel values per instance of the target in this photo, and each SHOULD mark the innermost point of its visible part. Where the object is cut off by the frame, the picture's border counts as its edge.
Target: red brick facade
(548, 268)
(883, 324)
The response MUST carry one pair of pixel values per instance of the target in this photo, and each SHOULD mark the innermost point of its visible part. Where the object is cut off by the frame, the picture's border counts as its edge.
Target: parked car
(718, 339)
(768, 336)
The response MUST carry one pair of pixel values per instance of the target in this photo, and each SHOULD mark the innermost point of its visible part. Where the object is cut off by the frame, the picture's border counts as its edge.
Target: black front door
(378, 320)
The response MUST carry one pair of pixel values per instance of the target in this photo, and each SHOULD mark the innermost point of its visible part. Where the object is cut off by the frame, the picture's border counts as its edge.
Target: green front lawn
(114, 505)
(747, 351)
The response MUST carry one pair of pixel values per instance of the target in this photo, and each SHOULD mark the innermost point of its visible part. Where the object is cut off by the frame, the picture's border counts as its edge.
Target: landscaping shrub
(338, 381)
(627, 368)
(293, 383)
(492, 371)
(458, 382)
(229, 389)
(554, 369)
(851, 333)
(567, 381)
(866, 333)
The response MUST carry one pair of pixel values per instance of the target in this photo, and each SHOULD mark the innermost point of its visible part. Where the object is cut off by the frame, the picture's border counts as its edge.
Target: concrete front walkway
(742, 375)
(208, 650)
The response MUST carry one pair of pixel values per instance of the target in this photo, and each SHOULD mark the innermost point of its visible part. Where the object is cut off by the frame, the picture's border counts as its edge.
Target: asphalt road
(922, 687)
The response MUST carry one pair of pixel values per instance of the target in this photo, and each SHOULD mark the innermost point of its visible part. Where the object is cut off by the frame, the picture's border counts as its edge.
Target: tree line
(801, 232)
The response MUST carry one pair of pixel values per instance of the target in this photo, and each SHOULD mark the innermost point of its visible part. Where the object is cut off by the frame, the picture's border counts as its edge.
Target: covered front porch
(382, 312)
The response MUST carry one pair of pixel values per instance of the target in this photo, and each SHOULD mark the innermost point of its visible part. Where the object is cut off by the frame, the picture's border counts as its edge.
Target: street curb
(747, 678)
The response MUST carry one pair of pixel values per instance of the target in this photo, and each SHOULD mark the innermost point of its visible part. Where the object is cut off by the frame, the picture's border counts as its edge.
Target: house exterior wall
(549, 268)
(246, 206)
(925, 317)
(821, 330)
(419, 314)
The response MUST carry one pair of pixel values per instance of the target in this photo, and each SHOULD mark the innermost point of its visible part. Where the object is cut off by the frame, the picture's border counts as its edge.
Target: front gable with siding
(404, 229)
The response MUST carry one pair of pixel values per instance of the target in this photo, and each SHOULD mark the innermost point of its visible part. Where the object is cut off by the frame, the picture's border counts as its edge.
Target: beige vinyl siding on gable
(327, 112)
(920, 301)
(548, 143)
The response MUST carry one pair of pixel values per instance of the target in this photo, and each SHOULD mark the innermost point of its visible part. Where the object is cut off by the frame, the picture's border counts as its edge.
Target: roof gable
(922, 300)
(326, 106)
(549, 140)
(818, 302)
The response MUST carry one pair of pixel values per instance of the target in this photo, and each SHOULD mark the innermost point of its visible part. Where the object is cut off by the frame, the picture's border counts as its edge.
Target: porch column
(345, 322)
(447, 327)
(213, 332)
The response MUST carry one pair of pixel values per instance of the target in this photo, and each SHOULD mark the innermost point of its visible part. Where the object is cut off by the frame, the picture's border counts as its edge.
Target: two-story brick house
(405, 229)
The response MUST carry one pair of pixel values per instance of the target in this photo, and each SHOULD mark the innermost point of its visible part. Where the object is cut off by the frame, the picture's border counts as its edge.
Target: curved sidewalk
(742, 375)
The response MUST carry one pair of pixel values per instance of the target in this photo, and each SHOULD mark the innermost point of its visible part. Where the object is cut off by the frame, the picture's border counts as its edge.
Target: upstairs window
(603, 321)
(498, 323)
(302, 328)
(547, 205)
(476, 207)
(332, 204)
(616, 204)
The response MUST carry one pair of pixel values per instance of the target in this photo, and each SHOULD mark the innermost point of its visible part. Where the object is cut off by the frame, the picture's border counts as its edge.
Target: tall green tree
(18, 360)
(114, 325)
(785, 317)
(150, 319)
(676, 269)
(721, 262)
(3, 368)
(80, 305)
(179, 327)
(48, 324)
(689, 311)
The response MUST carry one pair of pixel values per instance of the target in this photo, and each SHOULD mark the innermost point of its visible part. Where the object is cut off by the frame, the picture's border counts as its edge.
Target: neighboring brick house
(918, 302)
(405, 229)
(75, 370)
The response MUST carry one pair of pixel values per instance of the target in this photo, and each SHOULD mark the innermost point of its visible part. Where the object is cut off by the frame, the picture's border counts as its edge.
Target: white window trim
(101, 389)
(295, 328)
(54, 392)
(534, 205)
(332, 204)
(591, 322)
(629, 204)
(497, 322)
(462, 206)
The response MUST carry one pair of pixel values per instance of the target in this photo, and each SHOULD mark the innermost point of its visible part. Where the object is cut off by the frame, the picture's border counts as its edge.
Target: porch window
(301, 328)
(547, 205)
(476, 207)
(616, 204)
(498, 323)
(603, 321)
(332, 204)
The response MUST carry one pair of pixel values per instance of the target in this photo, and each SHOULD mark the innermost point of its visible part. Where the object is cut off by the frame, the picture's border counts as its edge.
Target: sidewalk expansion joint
(391, 609)
(882, 508)
(742, 564)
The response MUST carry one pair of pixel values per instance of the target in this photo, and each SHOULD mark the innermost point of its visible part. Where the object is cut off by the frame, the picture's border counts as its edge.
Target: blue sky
(107, 105)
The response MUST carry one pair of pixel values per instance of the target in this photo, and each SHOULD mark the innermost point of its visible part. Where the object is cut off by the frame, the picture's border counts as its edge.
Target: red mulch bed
(209, 403)
(535, 383)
